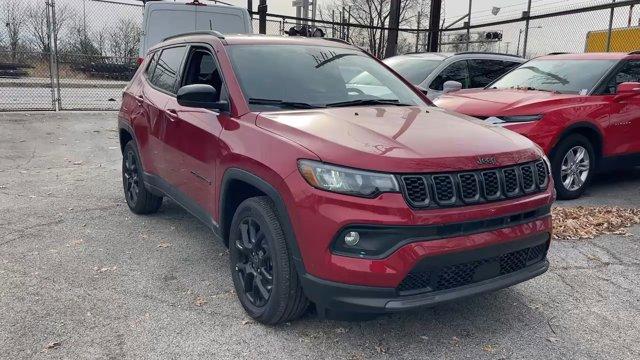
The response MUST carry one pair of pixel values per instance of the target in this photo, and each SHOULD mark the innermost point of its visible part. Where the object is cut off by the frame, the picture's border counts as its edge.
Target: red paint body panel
(617, 120)
(192, 149)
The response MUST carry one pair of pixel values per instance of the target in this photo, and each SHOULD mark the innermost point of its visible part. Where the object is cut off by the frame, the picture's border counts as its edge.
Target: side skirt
(619, 162)
(159, 186)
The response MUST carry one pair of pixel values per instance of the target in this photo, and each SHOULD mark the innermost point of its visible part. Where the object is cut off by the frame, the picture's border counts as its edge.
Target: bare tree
(124, 39)
(14, 21)
(374, 14)
(37, 24)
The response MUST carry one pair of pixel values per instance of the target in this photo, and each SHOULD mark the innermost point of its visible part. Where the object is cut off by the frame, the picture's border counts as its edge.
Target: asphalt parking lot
(82, 277)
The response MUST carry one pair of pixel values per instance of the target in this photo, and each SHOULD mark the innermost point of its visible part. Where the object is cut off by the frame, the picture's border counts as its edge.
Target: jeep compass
(324, 193)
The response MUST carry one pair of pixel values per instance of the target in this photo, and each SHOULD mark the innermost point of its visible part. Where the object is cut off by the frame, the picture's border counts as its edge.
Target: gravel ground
(82, 277)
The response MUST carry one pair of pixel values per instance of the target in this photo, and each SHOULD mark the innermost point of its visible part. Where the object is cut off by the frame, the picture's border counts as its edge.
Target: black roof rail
(635, 52)
(217, 34)
(338, 40)
(486, 53)
(558, 53)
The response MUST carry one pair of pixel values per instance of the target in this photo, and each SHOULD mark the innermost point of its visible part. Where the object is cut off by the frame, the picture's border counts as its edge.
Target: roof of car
(587, 56)
(255, 39)
(466, 54)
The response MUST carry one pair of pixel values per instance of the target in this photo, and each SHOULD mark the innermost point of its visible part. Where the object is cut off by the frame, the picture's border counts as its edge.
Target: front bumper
(485, 262)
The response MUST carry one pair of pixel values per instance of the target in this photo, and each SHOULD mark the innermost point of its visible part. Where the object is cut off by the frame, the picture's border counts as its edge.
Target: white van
(163, 19)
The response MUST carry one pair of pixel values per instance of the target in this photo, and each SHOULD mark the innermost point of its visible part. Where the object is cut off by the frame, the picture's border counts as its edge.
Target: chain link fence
(79, 54)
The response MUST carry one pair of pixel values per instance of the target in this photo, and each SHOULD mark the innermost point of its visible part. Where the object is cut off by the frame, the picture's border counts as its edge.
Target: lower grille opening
(465, 273)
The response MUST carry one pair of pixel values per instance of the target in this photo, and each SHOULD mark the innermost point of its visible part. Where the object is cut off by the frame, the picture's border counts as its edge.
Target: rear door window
(457, 71)
(482, 72)
(167, 69)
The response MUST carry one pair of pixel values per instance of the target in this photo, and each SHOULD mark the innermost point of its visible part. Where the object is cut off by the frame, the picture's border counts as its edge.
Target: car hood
(399, 139)
(492, 102)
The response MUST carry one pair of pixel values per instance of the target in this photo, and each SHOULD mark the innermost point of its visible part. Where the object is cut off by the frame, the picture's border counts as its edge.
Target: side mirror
(201, 96)
(451, 86)
(628, 88)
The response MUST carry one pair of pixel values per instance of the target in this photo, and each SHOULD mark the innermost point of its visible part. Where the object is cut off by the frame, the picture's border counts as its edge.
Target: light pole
(520, 35)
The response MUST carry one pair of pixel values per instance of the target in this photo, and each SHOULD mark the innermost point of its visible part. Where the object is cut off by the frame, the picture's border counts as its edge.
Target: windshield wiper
(367, 102)
(282, 103)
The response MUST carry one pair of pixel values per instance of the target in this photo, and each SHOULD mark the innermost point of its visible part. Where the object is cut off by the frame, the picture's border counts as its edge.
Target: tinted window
(573, 76)
(202, 69)
(313, 75)
(166, 71)
(483, 71)
(412, 68)
(454, 72)
(630, 72)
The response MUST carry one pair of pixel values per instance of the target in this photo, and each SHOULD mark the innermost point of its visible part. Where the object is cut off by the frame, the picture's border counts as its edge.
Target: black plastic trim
(261, 184)
(370, 299)
(406, 234)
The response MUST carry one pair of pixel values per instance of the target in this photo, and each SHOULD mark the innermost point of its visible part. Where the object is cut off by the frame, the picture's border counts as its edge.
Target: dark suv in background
(324, 192)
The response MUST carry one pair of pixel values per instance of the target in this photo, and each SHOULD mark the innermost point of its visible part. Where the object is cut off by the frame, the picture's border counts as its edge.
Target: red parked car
(582, 109)
(324, 192)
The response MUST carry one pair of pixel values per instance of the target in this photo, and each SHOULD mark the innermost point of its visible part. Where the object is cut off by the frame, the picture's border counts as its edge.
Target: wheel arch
(586, 129)
(238, 185)
(125, 134)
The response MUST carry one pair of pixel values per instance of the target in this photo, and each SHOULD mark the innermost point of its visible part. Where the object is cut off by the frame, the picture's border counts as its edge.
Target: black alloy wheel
(254, 267)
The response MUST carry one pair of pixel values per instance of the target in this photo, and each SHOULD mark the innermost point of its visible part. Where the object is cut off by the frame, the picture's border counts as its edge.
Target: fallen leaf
(245, 322)
(53, 345)
(488, 348)
(587, 222)
(552, 339)
(341, 330)
(164, 245)
(77, 163)
(200, 300)
(381, 349)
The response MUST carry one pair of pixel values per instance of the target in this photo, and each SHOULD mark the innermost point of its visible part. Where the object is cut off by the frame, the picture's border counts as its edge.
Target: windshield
(413, 69)
(273, 77)
(563, 76)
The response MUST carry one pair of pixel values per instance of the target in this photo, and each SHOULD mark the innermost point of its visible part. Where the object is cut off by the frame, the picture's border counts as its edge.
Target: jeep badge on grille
(487, 160)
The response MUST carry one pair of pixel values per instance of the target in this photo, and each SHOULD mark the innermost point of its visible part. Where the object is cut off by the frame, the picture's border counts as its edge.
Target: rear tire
(573, 165)
(263, 273)
(139, 199)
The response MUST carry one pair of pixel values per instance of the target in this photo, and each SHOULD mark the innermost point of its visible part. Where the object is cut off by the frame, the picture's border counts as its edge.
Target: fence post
(262, 17)
(418, 32)
(610, 27)
(469, 27)
(394, 24)
(434, 25)
(54, 74)
(526, 30)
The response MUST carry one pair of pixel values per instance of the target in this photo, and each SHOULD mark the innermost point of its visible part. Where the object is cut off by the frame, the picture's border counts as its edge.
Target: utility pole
(434, 25)
(526, 30)
(394, 24)
(418, 31)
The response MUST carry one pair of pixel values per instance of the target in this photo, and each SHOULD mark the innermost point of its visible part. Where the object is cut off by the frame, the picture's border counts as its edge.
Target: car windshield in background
(562, 76)
(413, 69)
(303, 77)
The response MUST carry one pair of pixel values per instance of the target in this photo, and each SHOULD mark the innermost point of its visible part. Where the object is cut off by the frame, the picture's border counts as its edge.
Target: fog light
(351, 238)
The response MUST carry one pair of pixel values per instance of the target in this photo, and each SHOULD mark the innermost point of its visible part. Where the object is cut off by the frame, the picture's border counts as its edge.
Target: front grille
(443, 185)
(457, 189)
(465, 273)
(542, 174)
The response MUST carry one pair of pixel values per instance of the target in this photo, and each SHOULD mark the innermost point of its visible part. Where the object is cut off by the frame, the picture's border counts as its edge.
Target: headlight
(520, 118)
(345, 180)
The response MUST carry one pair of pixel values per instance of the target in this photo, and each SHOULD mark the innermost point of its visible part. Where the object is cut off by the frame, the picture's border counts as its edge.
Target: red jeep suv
(582, 109)
(323, 192)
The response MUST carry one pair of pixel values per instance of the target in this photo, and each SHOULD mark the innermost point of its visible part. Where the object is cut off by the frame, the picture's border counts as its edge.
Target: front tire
(139, 199)
(262, 270)
(573, 166)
